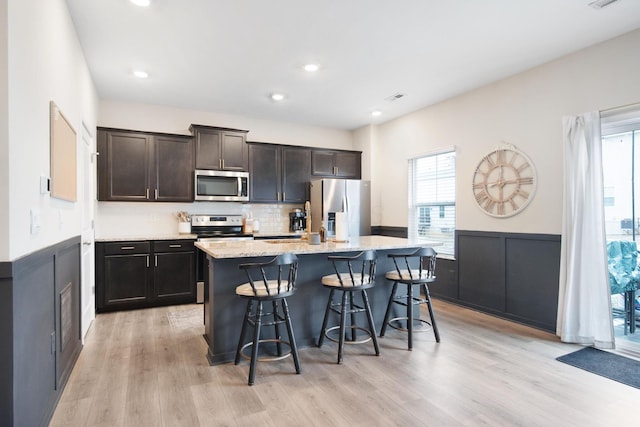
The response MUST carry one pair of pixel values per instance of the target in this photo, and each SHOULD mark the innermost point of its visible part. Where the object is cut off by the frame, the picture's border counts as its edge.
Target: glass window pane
(618, 186)
(432, 200)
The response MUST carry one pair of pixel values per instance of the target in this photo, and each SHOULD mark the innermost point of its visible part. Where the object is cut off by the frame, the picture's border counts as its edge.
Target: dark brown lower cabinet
(140, 274)
(174, 272)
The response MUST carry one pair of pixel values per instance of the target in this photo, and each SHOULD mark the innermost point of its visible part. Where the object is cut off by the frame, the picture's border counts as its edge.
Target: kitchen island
(223, 310)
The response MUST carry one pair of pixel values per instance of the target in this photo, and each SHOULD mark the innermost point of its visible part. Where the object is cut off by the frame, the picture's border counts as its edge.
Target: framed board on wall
(63, 156)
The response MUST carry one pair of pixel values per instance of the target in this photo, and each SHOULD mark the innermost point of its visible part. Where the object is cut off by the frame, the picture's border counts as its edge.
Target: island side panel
(224, 310)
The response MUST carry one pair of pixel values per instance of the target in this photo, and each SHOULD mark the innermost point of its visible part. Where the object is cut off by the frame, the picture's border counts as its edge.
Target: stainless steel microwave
(221, 186)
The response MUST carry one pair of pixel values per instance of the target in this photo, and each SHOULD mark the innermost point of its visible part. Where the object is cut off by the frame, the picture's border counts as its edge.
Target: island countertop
(258, 248)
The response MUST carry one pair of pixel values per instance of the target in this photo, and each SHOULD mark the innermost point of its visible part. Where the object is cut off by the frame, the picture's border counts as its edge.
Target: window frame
(415, 225)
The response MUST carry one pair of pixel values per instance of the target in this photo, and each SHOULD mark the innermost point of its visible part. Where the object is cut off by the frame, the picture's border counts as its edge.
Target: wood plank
(139, 369)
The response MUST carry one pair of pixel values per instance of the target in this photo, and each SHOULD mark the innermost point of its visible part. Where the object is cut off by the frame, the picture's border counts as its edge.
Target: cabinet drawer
(123, 248)
(173, 246)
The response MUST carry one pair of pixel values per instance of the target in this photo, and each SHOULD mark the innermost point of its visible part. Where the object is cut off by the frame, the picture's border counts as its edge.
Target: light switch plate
(44, 184)
(35, 221)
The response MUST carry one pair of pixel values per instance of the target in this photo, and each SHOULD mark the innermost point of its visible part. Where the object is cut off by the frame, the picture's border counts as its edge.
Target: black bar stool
(415, 268)
(347, 281)
(276, 291)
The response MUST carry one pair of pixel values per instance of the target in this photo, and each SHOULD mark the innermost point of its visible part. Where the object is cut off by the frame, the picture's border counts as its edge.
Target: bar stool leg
(243, 332)
(326, 319)
(277, 327)
(433, 318)
(353, 316)
(410, 314)
(343, 324)
(388, 312)
(372, 326)
(256, 341)
(292, 339)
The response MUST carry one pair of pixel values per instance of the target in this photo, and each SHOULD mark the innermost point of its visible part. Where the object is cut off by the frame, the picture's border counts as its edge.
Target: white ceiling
(228, 56)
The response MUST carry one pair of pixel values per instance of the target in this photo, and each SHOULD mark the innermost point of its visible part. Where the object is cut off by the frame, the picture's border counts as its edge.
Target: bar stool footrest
(266, 359)
(421, 328)
(362, 341)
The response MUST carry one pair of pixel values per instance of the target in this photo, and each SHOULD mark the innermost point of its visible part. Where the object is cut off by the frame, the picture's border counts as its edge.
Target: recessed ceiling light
(142, 3)
(376, 113)
(311, 67)
(277, 96)
(140, 74)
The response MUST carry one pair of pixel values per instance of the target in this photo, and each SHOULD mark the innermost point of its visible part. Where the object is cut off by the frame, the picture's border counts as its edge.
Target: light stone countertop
(256, 248)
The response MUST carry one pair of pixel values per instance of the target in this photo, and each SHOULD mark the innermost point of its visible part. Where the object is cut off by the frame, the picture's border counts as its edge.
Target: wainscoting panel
(39, 331)
(511, 275)
(480, 270)
(532, 270)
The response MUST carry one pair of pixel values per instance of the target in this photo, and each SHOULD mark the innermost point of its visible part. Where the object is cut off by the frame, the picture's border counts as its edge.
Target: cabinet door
(347, 165)
(264, 173)
(173, 169)
(322, 163)
(234, 151)
(124, 166)
(296, 174)
(174, 277)
(126, 280)
(208, 149)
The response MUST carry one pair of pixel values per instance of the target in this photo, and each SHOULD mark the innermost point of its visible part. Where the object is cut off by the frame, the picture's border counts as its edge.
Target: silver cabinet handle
(147, 261)
(222, 163)
(278, 195)
(126, 248)
(156, 193)
(156, 260)
(175, 246)
(284, 196)
(147, 193)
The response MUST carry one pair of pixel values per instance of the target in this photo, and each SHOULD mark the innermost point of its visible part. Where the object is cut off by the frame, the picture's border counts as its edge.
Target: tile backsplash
(272, 218)
(146, 220)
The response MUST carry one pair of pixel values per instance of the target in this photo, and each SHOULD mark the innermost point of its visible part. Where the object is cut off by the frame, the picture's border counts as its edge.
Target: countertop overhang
(258, 248)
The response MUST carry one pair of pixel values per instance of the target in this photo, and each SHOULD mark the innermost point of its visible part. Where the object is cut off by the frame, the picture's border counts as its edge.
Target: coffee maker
(297, 221)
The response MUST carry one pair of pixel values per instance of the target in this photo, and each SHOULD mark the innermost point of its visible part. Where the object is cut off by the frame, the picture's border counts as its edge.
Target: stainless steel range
(210, 228)
(214, 228)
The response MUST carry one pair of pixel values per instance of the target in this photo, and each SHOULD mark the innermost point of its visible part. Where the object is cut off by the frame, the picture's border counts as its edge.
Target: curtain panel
(584, 302)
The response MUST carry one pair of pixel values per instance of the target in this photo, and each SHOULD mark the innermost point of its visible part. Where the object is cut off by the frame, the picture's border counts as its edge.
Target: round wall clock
(504, 182)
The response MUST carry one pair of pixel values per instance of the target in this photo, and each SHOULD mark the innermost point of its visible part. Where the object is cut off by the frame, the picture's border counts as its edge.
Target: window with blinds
(432, 199)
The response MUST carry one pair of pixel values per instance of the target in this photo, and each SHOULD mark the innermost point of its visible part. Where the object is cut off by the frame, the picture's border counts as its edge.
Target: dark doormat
(612, 366)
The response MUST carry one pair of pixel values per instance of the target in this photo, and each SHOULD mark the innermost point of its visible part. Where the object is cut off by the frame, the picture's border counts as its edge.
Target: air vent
(599, 4)
(395, 97)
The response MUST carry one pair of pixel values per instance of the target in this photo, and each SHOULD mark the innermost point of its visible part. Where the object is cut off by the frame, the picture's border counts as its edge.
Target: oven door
(201, 262)
(221, 186)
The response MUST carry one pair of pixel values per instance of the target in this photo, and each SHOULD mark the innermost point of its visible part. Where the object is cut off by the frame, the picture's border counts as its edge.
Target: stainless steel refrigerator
(329, 196)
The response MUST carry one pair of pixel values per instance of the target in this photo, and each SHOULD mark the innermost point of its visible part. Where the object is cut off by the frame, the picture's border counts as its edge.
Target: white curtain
(584, 302)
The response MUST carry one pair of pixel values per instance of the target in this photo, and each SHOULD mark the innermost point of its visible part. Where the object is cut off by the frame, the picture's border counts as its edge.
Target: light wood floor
(139, 369)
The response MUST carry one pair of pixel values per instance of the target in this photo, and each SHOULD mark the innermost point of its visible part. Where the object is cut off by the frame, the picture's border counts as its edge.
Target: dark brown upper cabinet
(279, 174)
(220, 148)
(336, 163)
(139, 166)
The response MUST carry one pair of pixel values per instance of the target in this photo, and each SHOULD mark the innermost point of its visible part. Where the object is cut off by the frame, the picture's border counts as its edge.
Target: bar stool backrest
(277, 277)
(425, 270)
(357, 270)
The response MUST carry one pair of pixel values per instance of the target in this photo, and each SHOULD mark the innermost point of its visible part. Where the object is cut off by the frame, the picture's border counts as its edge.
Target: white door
(88, 179)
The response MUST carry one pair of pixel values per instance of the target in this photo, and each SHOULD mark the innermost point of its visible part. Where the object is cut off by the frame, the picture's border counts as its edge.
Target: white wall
(525, 110)
(45, 63)
(4, 135)
(155, 118)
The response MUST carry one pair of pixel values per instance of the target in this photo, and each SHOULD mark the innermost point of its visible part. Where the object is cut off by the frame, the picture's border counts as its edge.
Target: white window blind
(432, 199)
